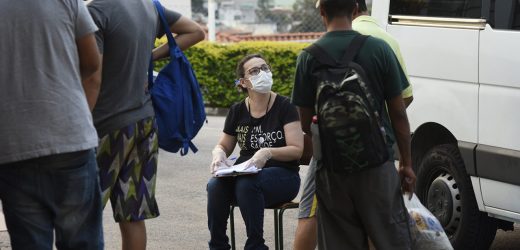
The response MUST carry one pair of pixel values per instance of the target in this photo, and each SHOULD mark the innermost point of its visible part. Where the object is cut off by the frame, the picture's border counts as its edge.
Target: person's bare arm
(92, 85)
(399, 119)
(90, 67)
(227, 143)
(306, 119)
(294, 143)
(188, 33)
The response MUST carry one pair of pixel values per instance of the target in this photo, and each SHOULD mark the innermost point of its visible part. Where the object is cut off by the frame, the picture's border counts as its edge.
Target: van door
(439, 42)
(498, 152)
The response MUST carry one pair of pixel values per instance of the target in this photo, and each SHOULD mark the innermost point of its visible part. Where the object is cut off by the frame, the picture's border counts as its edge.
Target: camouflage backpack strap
(348, 58)
(324, 61)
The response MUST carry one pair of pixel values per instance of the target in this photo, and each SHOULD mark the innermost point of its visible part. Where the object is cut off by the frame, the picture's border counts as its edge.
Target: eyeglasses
(256, 70)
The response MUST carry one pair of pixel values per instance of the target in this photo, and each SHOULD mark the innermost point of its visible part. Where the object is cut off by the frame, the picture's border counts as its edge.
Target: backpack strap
(353, 49)
(172, 44)
(350, 53)
(321, 55)
(166, 27)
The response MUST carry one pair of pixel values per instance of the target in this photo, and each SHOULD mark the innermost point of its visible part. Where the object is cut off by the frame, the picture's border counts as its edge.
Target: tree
(306, 17)
(266, 14)
(263, 13)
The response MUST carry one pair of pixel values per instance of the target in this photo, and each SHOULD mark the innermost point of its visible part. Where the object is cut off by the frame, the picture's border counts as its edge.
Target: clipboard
(235, 170)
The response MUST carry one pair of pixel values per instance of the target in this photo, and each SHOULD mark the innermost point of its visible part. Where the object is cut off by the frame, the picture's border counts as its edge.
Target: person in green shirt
(367, 25)
(306, 235)
(382, 67)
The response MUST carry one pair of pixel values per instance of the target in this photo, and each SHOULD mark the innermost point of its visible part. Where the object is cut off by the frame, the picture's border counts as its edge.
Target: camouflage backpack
(351, 132)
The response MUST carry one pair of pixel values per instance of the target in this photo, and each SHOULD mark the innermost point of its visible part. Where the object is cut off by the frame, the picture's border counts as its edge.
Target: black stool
(278, 223)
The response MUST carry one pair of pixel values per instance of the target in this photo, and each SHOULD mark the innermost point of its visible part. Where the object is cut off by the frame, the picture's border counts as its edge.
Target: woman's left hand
(260, 158)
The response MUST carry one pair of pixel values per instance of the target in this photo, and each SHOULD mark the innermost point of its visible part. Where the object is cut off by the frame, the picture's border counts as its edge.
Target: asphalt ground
(181, 194)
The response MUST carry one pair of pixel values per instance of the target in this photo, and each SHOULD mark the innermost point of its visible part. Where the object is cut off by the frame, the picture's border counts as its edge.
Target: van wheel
(444, 187)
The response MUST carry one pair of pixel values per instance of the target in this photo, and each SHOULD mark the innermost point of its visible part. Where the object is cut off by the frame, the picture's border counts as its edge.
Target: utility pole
(212, 7)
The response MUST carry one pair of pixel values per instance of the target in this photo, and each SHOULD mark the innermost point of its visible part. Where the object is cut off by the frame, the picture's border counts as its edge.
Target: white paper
(236, 170)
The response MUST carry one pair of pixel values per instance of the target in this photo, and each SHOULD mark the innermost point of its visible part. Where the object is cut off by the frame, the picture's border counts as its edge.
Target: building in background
(181, 6)
(286, 4)
(233, 13)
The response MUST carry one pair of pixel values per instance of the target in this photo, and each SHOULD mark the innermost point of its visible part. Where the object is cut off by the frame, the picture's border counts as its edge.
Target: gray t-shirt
(43, 109)
(126, 36)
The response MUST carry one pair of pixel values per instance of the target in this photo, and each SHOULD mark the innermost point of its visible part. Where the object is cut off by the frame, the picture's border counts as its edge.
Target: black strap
(321, 55)
(353, 49)
(350, 53)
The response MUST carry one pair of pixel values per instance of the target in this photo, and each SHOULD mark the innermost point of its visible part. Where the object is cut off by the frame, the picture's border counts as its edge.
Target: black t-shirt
(264, 132)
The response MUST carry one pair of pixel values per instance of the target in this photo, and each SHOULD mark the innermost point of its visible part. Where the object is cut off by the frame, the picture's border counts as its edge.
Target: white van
(463, 59)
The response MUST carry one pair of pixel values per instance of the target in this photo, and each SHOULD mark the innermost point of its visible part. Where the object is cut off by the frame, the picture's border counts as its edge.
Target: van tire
(445, 188)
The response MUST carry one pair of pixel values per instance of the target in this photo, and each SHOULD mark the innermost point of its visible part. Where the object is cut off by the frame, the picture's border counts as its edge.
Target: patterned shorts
(127, 160)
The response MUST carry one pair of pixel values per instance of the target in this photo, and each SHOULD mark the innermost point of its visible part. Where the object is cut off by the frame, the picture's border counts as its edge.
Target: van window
(437, 8)
(504, 14)
(516, 21)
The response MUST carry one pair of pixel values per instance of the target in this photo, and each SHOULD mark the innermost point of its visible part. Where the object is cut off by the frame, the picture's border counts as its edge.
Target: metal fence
(260, 17)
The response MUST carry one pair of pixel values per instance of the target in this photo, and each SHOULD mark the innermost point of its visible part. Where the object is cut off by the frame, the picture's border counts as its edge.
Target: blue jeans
(252, 193)
(53, 194)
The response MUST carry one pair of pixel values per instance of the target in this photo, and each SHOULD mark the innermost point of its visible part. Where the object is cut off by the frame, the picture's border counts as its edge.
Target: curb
(215, 111)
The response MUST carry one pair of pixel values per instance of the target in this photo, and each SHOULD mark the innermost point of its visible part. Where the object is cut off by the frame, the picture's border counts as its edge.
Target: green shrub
(214, 65)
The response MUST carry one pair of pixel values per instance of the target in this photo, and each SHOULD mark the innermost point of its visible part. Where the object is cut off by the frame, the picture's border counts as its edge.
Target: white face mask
(262, 82)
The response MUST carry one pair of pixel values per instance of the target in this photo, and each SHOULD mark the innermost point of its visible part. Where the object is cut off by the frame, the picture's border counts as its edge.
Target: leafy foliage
(215, 64)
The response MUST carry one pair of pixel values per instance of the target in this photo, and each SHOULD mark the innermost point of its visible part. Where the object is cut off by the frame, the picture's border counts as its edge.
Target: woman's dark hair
(241, 72)
(338, 8)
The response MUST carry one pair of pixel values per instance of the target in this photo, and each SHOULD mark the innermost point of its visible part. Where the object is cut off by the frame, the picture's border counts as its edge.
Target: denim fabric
(54, 194)
(252, 193)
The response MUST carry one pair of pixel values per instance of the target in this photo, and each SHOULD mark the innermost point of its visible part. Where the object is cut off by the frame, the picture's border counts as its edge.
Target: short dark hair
(337, 8)
(362, 5)
(241, 72)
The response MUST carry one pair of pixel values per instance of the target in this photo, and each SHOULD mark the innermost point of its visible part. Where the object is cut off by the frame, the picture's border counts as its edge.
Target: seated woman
(267, 129)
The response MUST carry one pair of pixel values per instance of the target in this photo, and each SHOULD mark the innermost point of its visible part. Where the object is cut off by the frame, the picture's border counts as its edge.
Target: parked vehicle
(463, 58)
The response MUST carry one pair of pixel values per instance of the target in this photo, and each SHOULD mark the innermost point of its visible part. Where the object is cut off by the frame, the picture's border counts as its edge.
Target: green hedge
(214, 65)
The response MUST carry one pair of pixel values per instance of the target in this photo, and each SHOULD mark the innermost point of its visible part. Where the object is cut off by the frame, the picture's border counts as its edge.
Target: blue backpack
(176, 98)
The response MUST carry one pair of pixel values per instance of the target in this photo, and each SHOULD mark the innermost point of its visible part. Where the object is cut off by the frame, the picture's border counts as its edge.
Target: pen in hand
(230, 161)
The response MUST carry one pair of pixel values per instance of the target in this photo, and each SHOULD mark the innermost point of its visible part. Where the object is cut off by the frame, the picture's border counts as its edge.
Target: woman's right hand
(260, 158)
(219, 159)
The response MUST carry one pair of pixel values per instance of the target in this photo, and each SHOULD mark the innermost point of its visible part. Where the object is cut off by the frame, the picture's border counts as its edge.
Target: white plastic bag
(427, 232)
